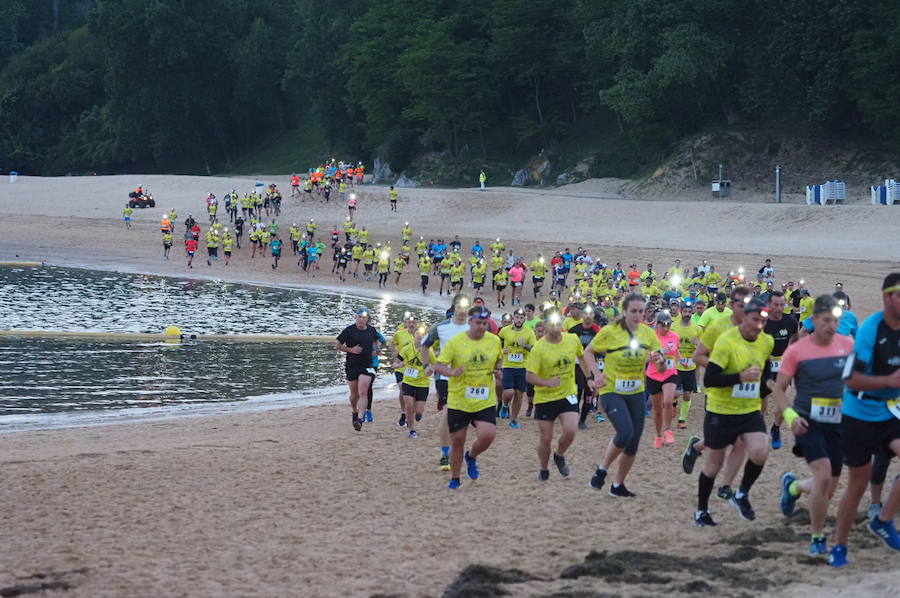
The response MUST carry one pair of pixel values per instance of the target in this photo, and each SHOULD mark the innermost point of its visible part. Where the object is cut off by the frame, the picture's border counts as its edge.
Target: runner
(191, 245)
(661, 386)
(733, 407)
(126, 216)
(439, 335)
(627, 346)
(538, 272)
(500, 280)
(816, 365)
(871, 419)
(516, 279)
(471, 361)
(360, 342)
(227, 246)
(551, 369)
(688, 337)
(517, 342)
(585, 330)
(783, 328)
(415, 378)
(393, 194)
(167, 244)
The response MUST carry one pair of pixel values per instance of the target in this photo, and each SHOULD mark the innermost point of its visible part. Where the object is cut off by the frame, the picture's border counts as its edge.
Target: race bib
(516, 357)
(670, 364)
(745, 390)
(686, 362)
(411, 372)
(894, 407)
(629, 385)
(572, 399)
(479, 393)
(775, 365)
(370, 371)
(826, 411)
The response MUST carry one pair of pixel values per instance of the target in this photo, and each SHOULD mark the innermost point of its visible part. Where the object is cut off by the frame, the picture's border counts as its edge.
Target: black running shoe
(357, 424)
(543, 475)
(598, 479)
(742, 504)
(402, 422)
(561, 464)
(620, 491)
(703, 519)
(689, 456)
(725, 492)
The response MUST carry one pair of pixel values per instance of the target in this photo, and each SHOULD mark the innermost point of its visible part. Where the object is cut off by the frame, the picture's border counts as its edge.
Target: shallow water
(57, 376)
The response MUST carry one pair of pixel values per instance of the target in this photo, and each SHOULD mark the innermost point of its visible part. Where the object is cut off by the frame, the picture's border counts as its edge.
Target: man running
(871, 419)
(470, 360)
(439, 335)
(688, 336)
(415, 380)
(816, 366)
(360, 342)
(733, 382)
(517, 340)
(783, 328)
(551, 369)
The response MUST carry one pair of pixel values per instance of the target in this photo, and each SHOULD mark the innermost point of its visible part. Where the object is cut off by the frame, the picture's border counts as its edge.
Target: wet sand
(294, 502)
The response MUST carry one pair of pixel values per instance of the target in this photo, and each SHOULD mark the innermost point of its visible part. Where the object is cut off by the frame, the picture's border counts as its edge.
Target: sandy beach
(294, 502)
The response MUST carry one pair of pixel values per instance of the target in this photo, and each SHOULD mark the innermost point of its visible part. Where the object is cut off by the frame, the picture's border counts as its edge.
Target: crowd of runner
(627, 345)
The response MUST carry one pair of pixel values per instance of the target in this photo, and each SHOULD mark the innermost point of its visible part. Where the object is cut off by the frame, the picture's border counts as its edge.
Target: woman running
(416, 379)
(662, 386)
(627, 346)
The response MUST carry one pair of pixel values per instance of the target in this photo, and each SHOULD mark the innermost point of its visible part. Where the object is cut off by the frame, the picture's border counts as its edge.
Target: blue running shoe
(788, 502)
(599, 418)
(514, 424)
(886, 531)
(369, 416)
(775, 432)
(837, 557)
(818, 546)
(504, 412)
(454, 484)
(471, 467)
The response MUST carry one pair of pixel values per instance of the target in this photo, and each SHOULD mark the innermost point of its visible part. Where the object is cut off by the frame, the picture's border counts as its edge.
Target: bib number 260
(479, 393)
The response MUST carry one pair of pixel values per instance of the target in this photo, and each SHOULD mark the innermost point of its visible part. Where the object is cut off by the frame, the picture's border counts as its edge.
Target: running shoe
(725, 492)
(543, 475)
(874, 510)
(454, 484)
(657, 442)
(886, 531)
(504, 412)
(620, 491)
(743, 506)
(788, 502)
(514, 424)
(445, 462)
(669, 436)
(837, 557)
(412, 434)
(599, 418)
(561, 464)
(818, 546)
(682, 425)
(402, 422)
(357, 424)
(369, 416)
(471, 467)
(775, 432)
(582, 426)
(598, 479)
(704, 519)
(689, 456)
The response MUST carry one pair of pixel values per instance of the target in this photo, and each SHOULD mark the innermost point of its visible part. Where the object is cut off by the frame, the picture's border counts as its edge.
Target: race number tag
(411, 372)
(894, 407)
(370, 371)
(516, 357)
(686, 362)
(745, 390)
(479, 393)
(572, 399)
(775, 365)
(629, 385)
(670, 364)
(826, 411)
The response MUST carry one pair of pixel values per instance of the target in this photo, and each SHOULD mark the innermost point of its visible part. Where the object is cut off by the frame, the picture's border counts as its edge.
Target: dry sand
(295, 502)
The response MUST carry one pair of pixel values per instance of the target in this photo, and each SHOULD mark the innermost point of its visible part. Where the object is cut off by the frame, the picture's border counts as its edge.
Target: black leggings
(626, 412)
(584, 393)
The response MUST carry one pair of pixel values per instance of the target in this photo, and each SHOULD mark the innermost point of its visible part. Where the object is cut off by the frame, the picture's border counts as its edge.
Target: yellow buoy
(173, 331)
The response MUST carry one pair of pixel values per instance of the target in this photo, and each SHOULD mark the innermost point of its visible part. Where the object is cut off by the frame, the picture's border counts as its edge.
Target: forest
(194, 85)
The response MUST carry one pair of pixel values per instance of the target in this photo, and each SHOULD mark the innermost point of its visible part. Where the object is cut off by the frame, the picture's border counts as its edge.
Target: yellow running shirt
(473, 390)
(624, 361)
(687, 336)
(514, 341)
(413, 371)
(712, 332)
(549, 360)
(734, 354)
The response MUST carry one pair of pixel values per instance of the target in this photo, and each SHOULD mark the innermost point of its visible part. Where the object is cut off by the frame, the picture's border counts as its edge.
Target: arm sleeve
(716, 378)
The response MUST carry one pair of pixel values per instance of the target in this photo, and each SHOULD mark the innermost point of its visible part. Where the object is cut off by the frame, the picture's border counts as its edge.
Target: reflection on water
(44, 376)
(74, 299)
